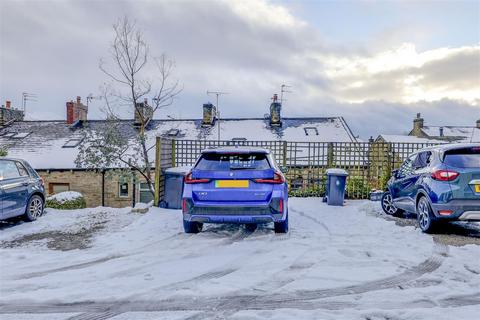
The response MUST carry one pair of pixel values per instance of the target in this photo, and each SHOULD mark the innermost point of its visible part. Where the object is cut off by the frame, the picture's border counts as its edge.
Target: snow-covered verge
(336, 263)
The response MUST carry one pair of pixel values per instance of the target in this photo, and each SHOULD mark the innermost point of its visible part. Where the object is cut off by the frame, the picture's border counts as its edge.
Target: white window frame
(119, 190)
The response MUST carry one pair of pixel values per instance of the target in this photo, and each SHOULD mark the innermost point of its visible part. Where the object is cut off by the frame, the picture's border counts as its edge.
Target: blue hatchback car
(235, 185)
(440, 183)
(22, 192)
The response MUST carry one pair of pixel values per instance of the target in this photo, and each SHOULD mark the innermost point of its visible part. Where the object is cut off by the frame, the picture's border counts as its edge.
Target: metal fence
(369, 164)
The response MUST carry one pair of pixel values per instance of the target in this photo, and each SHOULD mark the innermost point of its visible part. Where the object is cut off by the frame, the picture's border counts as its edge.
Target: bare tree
(129, 70)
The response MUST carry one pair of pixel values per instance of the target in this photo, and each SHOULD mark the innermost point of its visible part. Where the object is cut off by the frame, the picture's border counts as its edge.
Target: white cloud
(248, 48)
(404, 75)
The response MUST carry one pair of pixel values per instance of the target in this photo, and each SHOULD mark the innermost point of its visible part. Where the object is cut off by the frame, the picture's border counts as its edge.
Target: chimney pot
(275, 112)
(209, 114)
(76, 111)
(417, 125)
(8, 104)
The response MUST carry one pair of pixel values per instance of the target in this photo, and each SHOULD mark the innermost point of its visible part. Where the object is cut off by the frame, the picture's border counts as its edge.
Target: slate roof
(398, 138)
(454, 133)
(42, 143)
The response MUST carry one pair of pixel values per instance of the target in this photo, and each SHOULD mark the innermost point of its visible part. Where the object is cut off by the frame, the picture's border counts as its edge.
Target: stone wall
(89, 183)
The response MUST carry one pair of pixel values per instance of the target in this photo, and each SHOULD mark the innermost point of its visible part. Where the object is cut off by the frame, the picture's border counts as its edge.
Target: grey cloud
(52, 49)
(457, 71)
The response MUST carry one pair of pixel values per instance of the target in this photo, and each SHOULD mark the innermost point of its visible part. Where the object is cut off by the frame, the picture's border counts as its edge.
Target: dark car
(22, 192)
(440, 183)
(235, 185)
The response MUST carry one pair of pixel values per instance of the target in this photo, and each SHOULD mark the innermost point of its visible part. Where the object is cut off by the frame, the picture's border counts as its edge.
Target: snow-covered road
(335, 263)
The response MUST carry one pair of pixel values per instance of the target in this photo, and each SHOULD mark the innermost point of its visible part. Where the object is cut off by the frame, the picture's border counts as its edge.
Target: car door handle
(24, 184)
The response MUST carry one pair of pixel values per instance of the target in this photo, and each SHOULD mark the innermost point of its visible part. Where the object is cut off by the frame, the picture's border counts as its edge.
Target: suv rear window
(226, 162)
(463, 158)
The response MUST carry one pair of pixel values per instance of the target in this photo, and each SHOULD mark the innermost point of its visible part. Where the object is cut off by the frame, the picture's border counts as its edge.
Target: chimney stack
(76, 111)
(209, 114)
(9, 114)
(478, 123)
(417, 125)
(275, 112)
(143, 113)
(441, 131)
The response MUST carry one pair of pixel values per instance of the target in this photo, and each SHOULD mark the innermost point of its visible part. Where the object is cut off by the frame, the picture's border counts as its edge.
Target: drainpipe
(103, 188)
(134, 191)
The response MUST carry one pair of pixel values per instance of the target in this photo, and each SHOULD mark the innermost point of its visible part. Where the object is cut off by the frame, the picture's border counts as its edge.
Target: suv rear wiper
(242, 168)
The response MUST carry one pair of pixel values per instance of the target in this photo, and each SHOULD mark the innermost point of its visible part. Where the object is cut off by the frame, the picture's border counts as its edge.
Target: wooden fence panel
(369, 164)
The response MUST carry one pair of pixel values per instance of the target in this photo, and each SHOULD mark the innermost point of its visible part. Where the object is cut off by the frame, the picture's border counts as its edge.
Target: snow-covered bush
(66, 200)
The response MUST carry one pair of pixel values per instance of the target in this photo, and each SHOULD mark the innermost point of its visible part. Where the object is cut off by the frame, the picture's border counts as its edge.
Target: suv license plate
(231, 184)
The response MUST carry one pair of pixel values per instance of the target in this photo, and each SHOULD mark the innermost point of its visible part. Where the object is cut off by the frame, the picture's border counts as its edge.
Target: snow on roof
(293, 129)
(461, 134)
(50, 143)
(393, 138)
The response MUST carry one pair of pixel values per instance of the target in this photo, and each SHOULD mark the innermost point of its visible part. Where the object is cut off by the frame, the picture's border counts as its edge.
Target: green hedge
(77, 203)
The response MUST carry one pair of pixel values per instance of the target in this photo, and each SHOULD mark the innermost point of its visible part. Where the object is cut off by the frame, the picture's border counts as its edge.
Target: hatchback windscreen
(463, 158)
(225, 162)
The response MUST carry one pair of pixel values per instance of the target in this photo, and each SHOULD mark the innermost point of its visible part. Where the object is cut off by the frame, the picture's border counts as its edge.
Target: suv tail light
(276, 205)
(187, 205)
(444, 175)
(277, 179)
(189, 180)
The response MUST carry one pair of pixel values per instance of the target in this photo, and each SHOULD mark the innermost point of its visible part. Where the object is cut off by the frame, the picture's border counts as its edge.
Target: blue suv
(235, 185)
(22, 192)
(440, 183)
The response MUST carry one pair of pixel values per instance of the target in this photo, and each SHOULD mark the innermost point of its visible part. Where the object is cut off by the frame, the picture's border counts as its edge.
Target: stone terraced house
(51, 147)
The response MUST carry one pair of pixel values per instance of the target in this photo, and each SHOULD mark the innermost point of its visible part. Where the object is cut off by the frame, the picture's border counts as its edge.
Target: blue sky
(375, 62)
(428, 24)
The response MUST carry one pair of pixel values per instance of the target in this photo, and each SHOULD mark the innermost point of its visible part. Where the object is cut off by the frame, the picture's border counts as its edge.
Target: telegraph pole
(217, 93)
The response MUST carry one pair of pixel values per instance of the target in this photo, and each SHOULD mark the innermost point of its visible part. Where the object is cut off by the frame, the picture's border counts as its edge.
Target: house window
(145, 195)
(123, 189)
(173, 132)
(311, 131)
(21, 135)
(54, 187)
(72, 143)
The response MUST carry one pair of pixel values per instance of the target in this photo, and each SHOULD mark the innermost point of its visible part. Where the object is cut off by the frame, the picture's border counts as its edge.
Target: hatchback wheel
(34, 208)
(388, 206)
(426, 219)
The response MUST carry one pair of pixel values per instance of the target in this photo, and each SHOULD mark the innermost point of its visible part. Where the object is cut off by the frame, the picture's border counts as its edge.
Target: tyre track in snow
(305, 299)
(427, 266)
(298, 264)
(315, 220)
